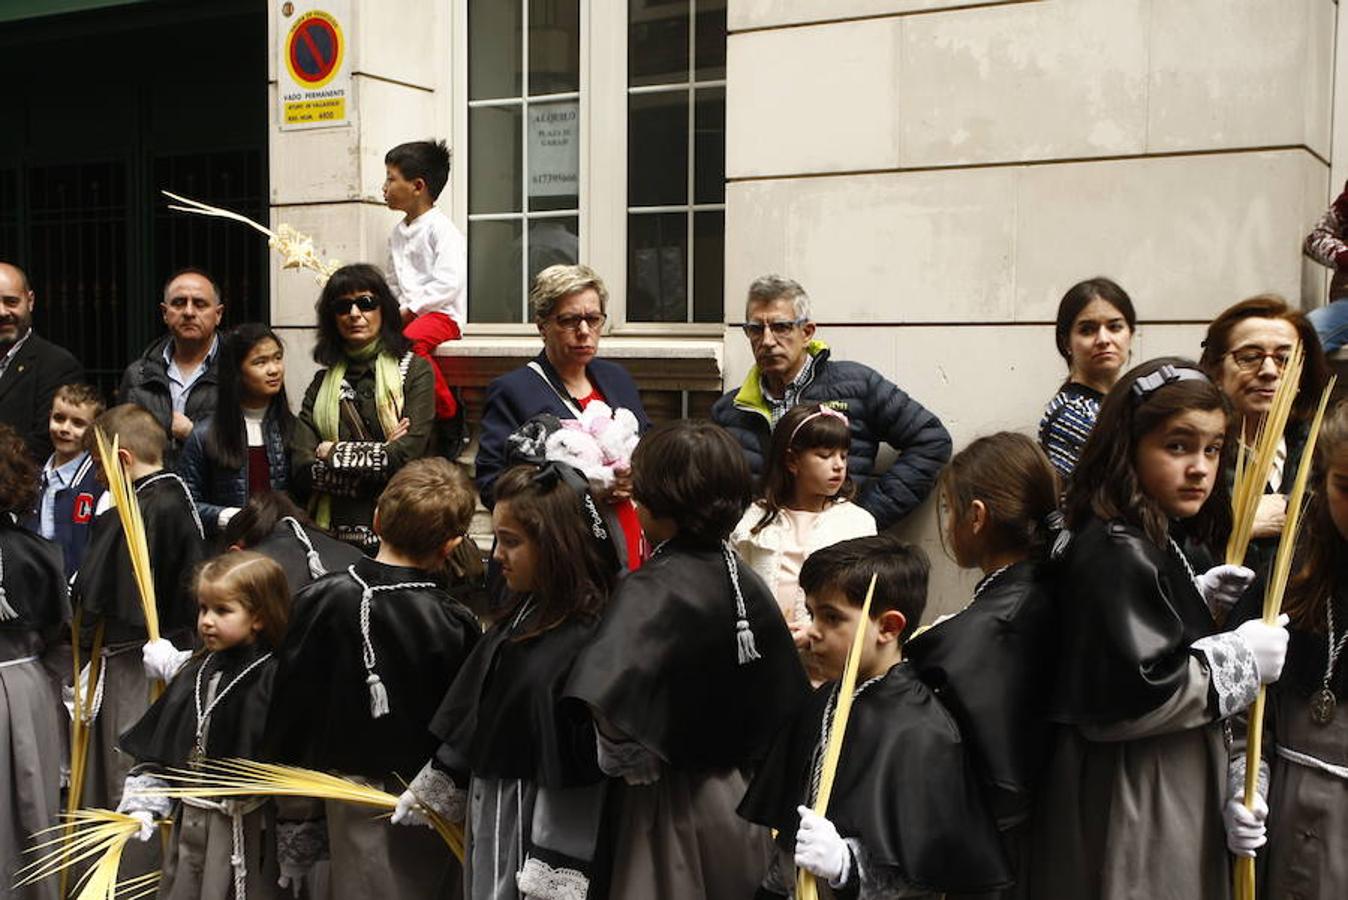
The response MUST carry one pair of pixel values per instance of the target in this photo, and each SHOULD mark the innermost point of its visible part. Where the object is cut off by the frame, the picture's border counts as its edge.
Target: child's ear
(792, 465)
(419, 185)
(889, 625)
(451, 545)
(978, 516)
(257, 624)
(128, 459)
(374, 524)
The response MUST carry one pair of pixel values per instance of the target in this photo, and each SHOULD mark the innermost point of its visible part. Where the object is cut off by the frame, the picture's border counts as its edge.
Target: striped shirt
(1068, 420)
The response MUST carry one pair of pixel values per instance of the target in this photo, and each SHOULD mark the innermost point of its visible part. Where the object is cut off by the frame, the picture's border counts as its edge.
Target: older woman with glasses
(1245, 351)
(569, 306)
(367, 414)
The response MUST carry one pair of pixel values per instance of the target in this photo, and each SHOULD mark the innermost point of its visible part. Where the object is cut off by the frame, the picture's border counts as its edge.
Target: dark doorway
(104, 109)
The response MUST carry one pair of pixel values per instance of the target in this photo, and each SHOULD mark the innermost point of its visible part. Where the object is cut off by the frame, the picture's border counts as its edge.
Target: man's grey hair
(767, 288)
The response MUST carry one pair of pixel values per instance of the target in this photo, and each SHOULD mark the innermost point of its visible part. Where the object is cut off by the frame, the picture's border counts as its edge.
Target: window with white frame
(594, 133)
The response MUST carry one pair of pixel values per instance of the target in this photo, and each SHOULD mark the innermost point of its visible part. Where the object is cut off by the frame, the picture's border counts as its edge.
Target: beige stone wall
(937, 173)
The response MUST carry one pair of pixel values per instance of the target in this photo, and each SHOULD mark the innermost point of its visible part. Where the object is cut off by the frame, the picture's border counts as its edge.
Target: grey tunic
(30, 745)
(199, 865)
(1133, 810)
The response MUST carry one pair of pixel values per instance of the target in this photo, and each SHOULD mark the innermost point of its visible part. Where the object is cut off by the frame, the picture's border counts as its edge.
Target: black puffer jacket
(879, 412)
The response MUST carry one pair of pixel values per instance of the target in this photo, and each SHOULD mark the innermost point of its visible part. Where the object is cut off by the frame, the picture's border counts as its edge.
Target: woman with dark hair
(1245, 351)
(1094, 333)
(367, 414)
(244, 447)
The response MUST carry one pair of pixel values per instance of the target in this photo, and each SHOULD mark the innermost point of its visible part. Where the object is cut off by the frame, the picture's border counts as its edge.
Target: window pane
(709, 146)
(554, 45)
(554, 155)
(657, 41)
(710, 39)
(494, 154)
(495, 44)
(495, 293)
(657, 149)
(657, 267)
(553, 242)
(708, 266)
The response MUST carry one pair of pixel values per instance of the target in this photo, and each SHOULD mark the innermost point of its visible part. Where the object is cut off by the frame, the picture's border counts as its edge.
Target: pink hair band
(823, 411)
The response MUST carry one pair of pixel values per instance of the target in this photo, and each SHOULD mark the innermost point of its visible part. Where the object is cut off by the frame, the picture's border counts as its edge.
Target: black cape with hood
(992, 666)
(1128, 615)
(663, 668)
(167, 732)
(33, 579)
(320, 711)
(904, 787)
(285, 548)
(105, 585)
(504, 718)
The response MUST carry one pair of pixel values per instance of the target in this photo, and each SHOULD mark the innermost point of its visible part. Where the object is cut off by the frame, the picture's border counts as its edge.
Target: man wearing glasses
(175, 378)
(31, 369)
(792, 367)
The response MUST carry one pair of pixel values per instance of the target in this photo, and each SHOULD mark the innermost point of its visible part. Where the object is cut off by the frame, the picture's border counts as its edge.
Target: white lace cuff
(877, 882)
(627, 760)
(538, 879)
(1235, 677)
(436, 791)
(1235, 777)
(301, 844)
(141, 793)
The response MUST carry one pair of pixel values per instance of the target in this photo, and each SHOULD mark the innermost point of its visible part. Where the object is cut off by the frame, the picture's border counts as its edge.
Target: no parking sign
(313, 75)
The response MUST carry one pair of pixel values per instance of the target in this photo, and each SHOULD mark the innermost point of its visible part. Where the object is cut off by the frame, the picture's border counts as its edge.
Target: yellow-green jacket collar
(750, 395)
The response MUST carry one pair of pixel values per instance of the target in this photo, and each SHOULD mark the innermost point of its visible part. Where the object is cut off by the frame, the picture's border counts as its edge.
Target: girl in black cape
(1132, 797)
(991, 664)
(515, 761)
(215, 706)
(690, 676)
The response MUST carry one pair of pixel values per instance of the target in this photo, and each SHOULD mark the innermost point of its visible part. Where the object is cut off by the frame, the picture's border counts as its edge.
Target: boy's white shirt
(428, 266)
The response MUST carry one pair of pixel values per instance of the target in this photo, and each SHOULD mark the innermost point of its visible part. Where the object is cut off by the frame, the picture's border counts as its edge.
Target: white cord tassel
(746, 649)
(237, 860)
(316, 569)
(7, 612)
(379, 703)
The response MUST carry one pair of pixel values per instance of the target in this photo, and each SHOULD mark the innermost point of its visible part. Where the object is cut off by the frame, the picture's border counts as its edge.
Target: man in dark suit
(31, 369)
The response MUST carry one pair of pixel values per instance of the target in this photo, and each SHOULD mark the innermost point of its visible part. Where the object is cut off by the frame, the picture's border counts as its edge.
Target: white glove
(68, 693)
(1268, 643)
(1222, 586)
(1245, 831)
(293, 876)
(162, 660)
(147, 824)
(820, 850)
(407, 812)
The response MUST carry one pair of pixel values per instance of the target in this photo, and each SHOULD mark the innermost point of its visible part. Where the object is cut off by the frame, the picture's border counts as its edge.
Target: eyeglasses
(779, 329)
(363, 302)
(593, 321)
(1251, 359)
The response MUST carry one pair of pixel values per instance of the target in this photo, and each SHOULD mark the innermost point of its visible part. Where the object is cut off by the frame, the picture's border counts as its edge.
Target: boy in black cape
(108, 603)
(906, 817)
(369, 654)
(689, 677)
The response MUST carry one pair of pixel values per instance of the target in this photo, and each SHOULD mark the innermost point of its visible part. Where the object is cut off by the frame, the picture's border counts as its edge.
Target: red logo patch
(84, 509)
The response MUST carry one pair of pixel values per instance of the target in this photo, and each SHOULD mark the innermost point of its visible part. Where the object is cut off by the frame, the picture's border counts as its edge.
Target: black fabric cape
(283, 547)
(663, 668)
(1128, 614)
(320, 711)
(167, 732)
(504, 717)
(991, 665)
(904, 787)
(105, 586)
(34, 579)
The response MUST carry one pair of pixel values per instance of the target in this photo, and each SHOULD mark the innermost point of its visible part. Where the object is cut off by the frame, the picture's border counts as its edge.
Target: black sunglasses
(363, 302)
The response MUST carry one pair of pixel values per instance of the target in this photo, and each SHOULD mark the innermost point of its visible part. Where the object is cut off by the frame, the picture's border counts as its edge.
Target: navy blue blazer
(518, 396)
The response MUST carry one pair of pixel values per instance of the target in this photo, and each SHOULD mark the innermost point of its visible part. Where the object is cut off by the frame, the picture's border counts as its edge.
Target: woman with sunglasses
(569, 306)
(367, 414)
(1244, 353)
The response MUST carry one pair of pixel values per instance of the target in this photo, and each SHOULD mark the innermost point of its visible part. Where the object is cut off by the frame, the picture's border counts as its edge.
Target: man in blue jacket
(792, 367)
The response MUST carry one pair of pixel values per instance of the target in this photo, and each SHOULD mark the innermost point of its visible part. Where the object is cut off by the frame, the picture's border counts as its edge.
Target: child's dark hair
(1013, 478)
(427, 160)
(574, 574)
(1322, 554)
(329, 348)
(226, 437)
(692, 472)
(255, 582)
(805, 427)
(900, 571)
(81, 394)
(18, 474)
(257, 520)
(428, 503)
(1105, 483)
